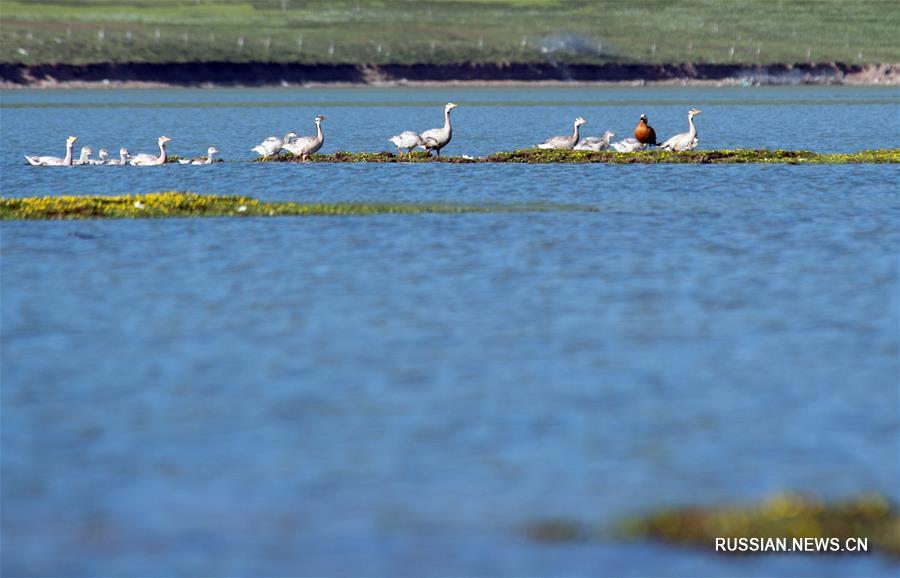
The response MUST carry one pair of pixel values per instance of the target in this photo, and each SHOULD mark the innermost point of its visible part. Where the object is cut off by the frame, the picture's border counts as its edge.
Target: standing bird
(407, 140)
(592, 143)
(686, 141)
(208, 159)
(123, 158)
(85, 158)
(36, 161)
(437, 138)
(644, 133)
(306, 145)
(563, 142)
(273, 145)
(148, 160)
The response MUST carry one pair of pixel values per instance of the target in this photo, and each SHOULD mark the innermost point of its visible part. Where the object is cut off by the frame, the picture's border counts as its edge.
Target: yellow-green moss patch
(175, 204)
(786, 516)
(654, 156)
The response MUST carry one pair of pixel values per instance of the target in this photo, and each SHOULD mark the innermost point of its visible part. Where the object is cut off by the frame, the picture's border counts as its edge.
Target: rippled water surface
(399, 395)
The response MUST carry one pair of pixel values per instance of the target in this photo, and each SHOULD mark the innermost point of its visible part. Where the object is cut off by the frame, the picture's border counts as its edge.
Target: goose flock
(125, 158)
(644, 136)
(430, 140)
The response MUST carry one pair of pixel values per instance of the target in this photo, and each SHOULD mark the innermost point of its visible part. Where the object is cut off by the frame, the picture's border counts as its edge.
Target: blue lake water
(400, 395)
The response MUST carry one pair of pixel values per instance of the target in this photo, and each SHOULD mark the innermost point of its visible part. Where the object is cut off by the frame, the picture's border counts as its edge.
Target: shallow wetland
(401, 392)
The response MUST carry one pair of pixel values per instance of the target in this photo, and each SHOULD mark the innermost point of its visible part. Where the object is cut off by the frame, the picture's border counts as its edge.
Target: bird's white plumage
(50, 161)
(592, 143)
(273, 145)
(686, 141)
(407, 140)
(437, 138)
(148, 160)
(563, 142)
(85, 158)
(122, 160)
(306, 145)
(628, 145)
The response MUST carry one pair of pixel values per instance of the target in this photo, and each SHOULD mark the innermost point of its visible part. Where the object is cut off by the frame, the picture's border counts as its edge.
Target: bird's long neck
(693, 129)
(447, 128)
(84, 157)
(162, 153)
(320, 136)
(68, 160)
(123, 158)
(606, 137)
(575, 135)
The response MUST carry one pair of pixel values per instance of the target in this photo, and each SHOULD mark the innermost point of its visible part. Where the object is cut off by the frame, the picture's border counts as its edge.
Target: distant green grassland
(444, 31)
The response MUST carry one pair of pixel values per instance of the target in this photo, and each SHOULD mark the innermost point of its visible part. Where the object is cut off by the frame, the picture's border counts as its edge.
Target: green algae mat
(177, 204)
(541, 156)
(782, 517)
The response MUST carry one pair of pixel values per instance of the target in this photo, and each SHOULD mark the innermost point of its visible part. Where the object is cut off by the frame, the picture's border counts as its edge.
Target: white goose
(563, 142)
(85, 158)
(306, 145)
(686, 141)
(592, 143)
(273, 144)
(104, 158)
(47, 161)
(207, 160)
(407, 140)
(628, 145)
(123, 158)
(437, 138)
(148, 160)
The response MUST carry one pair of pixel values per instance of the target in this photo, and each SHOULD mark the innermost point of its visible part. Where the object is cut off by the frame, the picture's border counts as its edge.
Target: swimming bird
(123, 158)
(85, 158)
(592, 143)
(628, 145)
(209, 157)
(102, 160)
(207, 160)
(686, 141)
(563, 142)
(644, 133)
(306, 145)
(148, 160)
(47, 161)
(437, 138)
(273, 145)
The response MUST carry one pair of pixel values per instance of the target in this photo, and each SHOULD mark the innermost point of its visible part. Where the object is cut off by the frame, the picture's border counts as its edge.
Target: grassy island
(175, 204)
(783, 516)
(540, 156)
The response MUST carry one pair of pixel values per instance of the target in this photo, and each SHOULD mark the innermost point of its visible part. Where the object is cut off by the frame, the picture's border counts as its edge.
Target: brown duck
(644, 132)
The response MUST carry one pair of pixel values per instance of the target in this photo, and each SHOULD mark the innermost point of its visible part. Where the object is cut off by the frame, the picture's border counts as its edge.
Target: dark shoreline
(225, 74)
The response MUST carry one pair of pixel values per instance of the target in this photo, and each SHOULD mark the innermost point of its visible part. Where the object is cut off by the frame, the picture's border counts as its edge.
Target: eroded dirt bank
(285, 74)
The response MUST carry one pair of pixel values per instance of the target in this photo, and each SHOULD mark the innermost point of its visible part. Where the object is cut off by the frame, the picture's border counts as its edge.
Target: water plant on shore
(541, 156)
(782, 516)
(176, 204)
